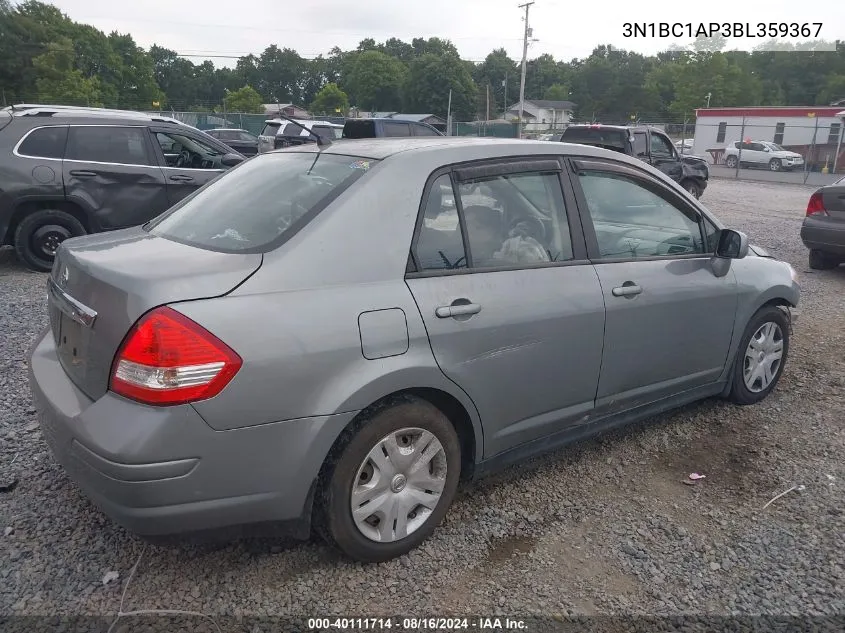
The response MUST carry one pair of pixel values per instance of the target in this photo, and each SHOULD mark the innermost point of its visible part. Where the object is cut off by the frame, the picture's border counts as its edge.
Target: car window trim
(576, 232)
(577, 164)
(16, 152)
(79, 160)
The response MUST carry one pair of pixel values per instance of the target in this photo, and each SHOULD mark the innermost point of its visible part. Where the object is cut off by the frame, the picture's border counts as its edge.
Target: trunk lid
(97, 291)
(833, 198)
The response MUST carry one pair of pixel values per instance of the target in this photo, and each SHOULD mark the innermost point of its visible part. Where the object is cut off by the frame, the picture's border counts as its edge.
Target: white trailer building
(795, 128)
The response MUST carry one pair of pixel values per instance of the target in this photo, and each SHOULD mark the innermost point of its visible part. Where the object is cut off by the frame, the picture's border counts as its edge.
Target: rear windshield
(604, 137)
(270, 129)
(359, 129)
(326, 131)
(257, 205)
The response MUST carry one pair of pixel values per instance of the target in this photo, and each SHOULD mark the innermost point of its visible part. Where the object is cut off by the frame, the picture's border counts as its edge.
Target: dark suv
(386, 128)
(649, 145)
(70, 171)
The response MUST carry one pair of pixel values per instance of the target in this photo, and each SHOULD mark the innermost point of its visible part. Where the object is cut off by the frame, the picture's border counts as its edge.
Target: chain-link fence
(804, 150)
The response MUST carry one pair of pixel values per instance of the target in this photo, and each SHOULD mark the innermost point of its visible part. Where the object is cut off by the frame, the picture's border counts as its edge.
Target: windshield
(774, 147)
(256, 205)
(604, 137)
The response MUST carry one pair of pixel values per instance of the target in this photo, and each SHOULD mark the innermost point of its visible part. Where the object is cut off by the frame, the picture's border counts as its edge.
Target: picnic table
(718, 155)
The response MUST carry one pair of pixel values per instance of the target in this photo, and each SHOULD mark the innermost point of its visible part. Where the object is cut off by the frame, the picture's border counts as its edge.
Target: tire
(761, 384)
(354, 469)
(692, 187)
(819, 260)
(39, 234)
(775, 164)
(730, 161)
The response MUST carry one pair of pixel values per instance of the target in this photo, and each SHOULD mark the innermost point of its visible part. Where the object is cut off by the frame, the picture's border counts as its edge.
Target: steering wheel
(184, 158)
(533, 227)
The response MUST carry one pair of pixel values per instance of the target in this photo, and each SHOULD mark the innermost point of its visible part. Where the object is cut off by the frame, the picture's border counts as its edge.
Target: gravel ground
(604, 527)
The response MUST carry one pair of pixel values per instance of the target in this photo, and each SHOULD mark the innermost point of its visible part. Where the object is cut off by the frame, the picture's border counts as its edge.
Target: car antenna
(321, 142)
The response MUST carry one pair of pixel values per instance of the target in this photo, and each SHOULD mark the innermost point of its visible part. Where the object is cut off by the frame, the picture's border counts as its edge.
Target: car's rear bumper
(824, 234)
(164, 471)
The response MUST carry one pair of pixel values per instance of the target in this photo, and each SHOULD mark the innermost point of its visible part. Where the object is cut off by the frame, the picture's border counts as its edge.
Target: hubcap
(398, 485)
(763, 357)
(46, 240)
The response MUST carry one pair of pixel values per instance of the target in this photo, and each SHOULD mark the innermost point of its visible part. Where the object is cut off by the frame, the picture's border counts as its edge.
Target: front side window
(187, 152)
(660, 146)
(640, 145)
(261, 201)
(108, 144)
(631, 220)
(45, 142)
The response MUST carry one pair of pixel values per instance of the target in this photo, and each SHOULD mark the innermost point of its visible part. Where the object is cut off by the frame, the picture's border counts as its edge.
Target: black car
(649, 145)
(823, 229)
(240, 140)
(68, 171)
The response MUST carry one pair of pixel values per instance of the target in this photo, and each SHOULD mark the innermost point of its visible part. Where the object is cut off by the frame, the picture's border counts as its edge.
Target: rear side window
(45, 142)
(257, 205)
(270, 129)
(397, 129)
(359, 129)
(108, 144)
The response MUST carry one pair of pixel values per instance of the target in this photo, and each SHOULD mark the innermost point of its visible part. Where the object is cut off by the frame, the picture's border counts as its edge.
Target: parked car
(385, 128)
(306, 339)
(649, 145)
(279, 133)
(823, 230)
(762, 154)
(685, 145)
(240, 140)
(71, 171)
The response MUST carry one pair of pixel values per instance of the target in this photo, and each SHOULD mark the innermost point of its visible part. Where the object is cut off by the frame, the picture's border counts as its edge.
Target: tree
(493, 71)
(375, 81)
(59, 82)
(556, 92)
(330, 100)
(429, 80)
(246, 100)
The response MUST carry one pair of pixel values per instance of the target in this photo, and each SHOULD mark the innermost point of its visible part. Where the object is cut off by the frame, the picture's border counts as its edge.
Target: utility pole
(488, 102)
(525, 6)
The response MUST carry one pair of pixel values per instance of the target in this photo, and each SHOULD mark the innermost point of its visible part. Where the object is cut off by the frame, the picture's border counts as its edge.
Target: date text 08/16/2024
(724, 29)
(417, 624)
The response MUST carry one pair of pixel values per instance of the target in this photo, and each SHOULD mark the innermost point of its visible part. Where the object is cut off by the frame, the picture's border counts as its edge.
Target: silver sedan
(338, 335)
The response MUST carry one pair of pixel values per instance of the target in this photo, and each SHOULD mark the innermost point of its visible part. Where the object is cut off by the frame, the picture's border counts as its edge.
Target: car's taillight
(169, 359)
(816, 205)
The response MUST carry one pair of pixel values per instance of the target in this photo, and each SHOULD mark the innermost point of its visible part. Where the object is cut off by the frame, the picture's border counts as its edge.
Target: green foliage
(331, 100)
(45, 56)
(375, 80)
(245, 100)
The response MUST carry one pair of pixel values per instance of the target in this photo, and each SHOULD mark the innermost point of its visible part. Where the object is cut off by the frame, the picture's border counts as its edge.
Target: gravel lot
(604, 527)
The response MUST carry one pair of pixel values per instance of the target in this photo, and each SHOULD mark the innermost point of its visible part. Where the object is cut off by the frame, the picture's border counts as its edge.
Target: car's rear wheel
(775, 164)
(819, 260)
(40, 233)
(693, 188)
(731, 161)
(393, 482)
(761, 356)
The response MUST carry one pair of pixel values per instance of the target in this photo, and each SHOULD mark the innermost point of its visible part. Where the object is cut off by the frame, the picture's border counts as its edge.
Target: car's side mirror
(766, 149)
(732, 244)
(230, 160)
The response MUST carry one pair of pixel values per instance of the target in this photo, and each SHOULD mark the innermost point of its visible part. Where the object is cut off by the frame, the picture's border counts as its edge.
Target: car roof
(305, 122)
(75, 114)
(227, 129)
(381, 148)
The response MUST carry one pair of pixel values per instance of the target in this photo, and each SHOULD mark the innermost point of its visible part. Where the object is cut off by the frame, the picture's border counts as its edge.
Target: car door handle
(466, 309)
(82, 173)
(180, 178)
(627, 290)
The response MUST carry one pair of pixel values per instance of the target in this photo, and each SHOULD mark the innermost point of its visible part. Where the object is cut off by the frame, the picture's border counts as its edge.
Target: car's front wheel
(775, 164)
(392, 483)
(761, 356)
(731, 161)
(692, 187)
(819, 260)
(40, 233)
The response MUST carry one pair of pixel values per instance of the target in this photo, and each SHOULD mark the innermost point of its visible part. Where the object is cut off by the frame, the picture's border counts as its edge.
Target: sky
(214, 29)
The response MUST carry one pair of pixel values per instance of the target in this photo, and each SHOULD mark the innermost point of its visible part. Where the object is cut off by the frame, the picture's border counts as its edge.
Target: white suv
(762, 154)
(283, 133)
